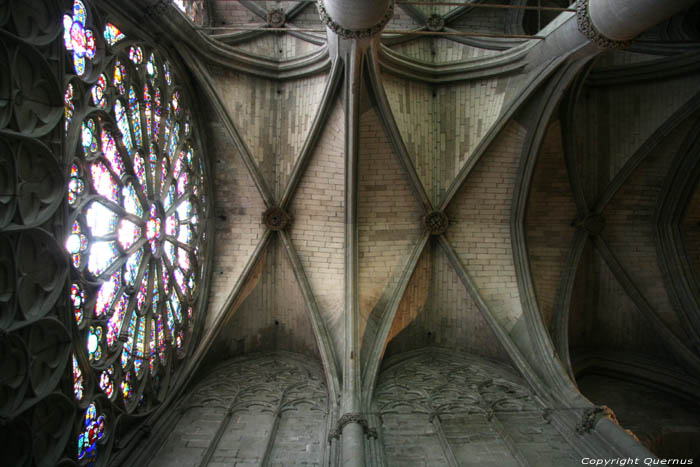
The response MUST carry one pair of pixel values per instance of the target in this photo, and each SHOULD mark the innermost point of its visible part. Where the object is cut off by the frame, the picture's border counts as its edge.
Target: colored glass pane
(101, 256)
(112, 34)
(171, 225)
(183, 259)
(131, 268)
(77, 298)
(184, 210)
(156, 114)
(169, 198)
(182, 183)
(76, 244)
(68, 105)
(142, 293)
(114, 324)
(140, 169)
(94, 342)
(103, 182)
(77, 38)
(152, 348)
(136, 54)
(106, 294)
(164, 277)
(129, 344)
(88, 137)
(100, 220)
(132, 204)
(106, 383)
(169, 250)
(98, 92)
(128, 234)
(180, 339)
(123, 124)
(135, 117)
(161, 338)
(126, 386)
(119, 76)
(92, 431)
(166, 72)
(76, 185)
(139, 347)
(109, 150)
(77, 380)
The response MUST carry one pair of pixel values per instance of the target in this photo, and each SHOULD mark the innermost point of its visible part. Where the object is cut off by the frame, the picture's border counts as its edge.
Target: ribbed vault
(466, 224)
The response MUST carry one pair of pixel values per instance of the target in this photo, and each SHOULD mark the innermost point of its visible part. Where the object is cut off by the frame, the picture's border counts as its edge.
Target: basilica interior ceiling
(323, 227)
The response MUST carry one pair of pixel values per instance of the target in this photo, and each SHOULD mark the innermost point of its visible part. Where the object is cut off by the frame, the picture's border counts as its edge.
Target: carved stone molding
(355, 33)
(435, 23)
(586, 27)
(590, 417)
(591, 223)
(436, 222)
(276, 218)
(347, 419)
(157, 9)
(276, 18)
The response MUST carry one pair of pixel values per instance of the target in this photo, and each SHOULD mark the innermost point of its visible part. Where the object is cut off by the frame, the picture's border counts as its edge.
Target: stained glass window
(192, 8)
(135, 197)
(78, 38)
(93, 430)
(112, 34)
(77, 379)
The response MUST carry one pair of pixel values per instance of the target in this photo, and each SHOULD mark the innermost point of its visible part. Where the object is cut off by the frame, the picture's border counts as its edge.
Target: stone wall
(436, 405)
(271, 407)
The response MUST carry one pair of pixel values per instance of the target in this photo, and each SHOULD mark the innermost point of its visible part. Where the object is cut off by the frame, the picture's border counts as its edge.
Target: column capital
(348, 33)
(586, 27)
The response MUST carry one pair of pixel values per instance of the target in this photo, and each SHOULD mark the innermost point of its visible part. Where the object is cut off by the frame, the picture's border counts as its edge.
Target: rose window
(136, 192)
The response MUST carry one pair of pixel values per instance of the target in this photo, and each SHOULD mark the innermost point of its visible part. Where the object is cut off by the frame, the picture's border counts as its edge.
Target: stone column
(356, 19)
(623, 20)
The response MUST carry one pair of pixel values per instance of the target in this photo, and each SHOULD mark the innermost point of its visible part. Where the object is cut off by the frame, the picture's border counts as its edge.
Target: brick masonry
(480, 225)
(550, 212)
(441, 126)
(273, 118)
(318, 231)
(449, 318)
(439, 50)
(238, 211)
(389, 216)
(630, 230)
(602, 316)
(274, 316)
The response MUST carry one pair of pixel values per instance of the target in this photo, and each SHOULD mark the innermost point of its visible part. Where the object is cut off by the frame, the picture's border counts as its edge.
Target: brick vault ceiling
(552, 190)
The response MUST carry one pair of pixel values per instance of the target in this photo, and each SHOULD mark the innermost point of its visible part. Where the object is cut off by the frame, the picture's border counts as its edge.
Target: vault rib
(676, 346)
(209, 87)
(307, 150)
(387, 118)
(325, 347)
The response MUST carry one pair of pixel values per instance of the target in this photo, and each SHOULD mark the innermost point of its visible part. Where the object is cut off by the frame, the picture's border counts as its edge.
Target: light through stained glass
(78, 39)
(77, 380)
(77, 298)
(134, 243)
(112, 34)
(93, 430)
(106, 383)
(68, 105)
(98, 92)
